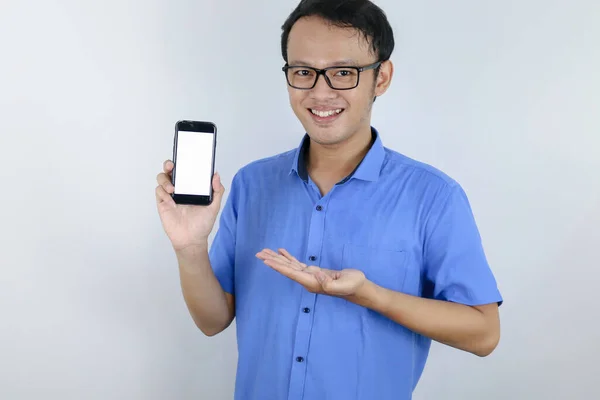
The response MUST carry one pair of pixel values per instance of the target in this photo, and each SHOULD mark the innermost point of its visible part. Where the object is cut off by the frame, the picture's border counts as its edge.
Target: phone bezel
(194, 126)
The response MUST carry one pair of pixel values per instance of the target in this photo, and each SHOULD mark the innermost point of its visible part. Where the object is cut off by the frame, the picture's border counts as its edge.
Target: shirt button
(299, 359)
(306, 310)
(312, 258)
(319, 208)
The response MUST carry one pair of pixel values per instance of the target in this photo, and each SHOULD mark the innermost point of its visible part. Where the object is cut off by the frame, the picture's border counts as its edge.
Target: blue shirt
(407, 225)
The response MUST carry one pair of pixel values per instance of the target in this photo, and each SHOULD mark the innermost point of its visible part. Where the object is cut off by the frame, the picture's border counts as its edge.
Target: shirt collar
(368, 169)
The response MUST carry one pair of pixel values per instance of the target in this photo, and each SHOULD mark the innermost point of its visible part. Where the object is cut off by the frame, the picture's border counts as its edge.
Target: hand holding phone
(189, 193)
(194, 148)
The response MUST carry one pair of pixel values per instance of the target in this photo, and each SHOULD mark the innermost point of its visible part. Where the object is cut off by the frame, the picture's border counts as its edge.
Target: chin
(328, 136)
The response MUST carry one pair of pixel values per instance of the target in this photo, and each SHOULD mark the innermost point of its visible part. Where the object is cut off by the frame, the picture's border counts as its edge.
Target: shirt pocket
(383, 266)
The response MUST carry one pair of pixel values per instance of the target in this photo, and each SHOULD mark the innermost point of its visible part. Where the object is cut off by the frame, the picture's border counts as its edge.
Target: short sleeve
(222, 250)
(455, 261)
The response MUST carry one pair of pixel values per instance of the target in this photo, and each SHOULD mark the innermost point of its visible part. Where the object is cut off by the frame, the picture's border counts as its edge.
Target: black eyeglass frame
(323, 71)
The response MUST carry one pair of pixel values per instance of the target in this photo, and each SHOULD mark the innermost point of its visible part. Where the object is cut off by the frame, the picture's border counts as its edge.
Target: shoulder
(266, 168)
(431, 191)
(417, 174)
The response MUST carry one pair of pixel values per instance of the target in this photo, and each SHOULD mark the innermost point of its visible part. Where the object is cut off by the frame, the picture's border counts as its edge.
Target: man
(340, 260)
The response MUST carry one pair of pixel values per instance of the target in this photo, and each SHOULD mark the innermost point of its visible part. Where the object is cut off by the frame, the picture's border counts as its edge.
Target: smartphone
(194, 150)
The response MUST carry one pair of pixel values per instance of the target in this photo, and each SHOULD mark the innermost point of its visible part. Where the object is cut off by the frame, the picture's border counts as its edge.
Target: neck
(335, 162)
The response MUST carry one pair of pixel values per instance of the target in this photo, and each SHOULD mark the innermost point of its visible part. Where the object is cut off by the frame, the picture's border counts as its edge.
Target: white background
(503, 96)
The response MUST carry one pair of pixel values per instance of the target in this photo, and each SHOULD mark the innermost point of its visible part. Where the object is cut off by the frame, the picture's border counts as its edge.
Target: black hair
(362, 15)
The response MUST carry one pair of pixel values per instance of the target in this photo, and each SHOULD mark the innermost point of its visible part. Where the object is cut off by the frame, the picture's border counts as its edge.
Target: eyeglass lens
(305, 78)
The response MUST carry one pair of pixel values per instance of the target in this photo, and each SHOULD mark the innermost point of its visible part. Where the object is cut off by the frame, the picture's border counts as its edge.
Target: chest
(353, 226)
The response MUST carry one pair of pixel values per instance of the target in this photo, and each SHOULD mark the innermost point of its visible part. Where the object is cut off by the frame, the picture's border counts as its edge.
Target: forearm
(208, 304)
(456, 325)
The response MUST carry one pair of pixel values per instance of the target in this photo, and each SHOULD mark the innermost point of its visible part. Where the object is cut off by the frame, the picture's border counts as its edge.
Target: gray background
(503, 96)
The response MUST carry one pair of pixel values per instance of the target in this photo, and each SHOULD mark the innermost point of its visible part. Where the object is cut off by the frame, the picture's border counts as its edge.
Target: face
(329, 116)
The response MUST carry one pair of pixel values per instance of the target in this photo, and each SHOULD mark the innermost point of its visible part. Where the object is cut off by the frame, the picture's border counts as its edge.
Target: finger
(322, 277)
(263, 255)
(278, 260)
(272, 253)
(157, 195)
(168, 166)
(217, 184)
(218, 190)
(163, 197)
(289, 261)
(287, 255)
(283, 254)
(295, 263)
(328, 284)
(165, 181)
(269, 254)
(333, 274)
(298, 276)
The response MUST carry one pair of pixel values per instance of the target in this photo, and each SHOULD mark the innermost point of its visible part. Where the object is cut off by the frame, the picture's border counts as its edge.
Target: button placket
(307, 301)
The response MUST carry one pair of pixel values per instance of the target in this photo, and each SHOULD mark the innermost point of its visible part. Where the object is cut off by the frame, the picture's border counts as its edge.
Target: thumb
(218, 191)
(218, 188)
(323, 279)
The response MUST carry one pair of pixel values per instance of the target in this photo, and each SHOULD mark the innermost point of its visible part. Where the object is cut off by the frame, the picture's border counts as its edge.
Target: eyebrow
(339, 63)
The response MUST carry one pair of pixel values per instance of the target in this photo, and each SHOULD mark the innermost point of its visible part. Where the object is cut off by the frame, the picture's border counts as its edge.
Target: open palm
(344, 282)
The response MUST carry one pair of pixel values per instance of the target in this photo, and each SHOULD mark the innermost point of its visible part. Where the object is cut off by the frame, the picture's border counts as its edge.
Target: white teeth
(324, 114)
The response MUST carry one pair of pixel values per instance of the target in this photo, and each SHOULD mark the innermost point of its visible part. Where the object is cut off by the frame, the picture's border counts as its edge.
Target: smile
(326, 114)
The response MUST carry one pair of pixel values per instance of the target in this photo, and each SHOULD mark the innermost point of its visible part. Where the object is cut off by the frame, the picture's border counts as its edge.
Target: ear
(384, 79)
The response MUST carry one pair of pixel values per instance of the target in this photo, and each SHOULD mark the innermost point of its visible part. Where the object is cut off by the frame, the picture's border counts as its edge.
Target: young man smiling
(342, 259)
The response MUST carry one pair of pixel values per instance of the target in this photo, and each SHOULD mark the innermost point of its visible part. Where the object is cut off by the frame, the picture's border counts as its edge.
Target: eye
(303, 72)
(345, 72)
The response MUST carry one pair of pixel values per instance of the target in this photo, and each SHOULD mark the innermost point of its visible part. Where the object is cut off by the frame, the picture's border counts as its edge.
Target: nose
(322, 89)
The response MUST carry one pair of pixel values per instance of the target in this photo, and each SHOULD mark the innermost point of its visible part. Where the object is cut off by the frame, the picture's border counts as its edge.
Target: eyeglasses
(338, 78)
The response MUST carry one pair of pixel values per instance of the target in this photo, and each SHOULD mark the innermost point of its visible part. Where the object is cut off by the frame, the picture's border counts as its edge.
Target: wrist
(368, 295)
(192, 251)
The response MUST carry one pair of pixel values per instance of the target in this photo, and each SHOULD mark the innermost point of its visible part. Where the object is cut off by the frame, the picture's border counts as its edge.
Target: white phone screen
(193, 173)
